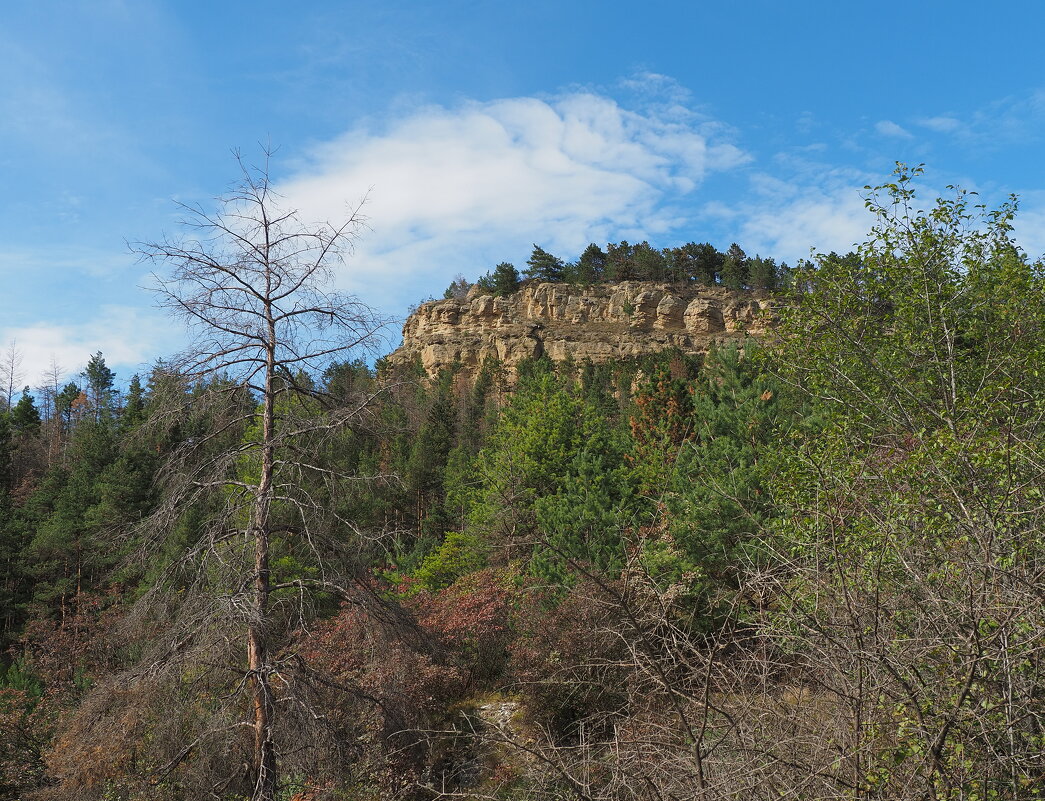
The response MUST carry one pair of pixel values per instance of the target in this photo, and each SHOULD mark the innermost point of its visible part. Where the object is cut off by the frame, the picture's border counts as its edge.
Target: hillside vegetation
(807, 566)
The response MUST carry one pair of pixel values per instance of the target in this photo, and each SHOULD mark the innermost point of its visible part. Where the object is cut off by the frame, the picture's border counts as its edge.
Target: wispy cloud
(800, 208)
(890, 128)
(458, 189)
(1008, 120)
(128, 337)
(943, 123)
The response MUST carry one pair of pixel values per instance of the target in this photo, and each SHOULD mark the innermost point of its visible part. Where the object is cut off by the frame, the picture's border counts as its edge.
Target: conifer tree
(620, 265)
(734, 268)
(762, 273)
(505, 279)
(591, 266)
(543, 266)
(25, 417)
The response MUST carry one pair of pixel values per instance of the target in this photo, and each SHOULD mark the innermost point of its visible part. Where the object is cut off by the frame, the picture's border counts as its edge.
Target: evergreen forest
(807, 566)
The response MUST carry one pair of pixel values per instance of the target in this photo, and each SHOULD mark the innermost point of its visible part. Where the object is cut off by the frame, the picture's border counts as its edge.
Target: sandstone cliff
(600, 323)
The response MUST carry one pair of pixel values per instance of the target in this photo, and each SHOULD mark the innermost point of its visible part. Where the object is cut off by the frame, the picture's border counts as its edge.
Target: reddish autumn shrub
(382, 683)
(393, 666)
(472, 620)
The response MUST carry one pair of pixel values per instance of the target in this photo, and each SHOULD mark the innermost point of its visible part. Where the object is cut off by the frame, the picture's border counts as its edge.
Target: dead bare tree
(11, 372)
(251, 282)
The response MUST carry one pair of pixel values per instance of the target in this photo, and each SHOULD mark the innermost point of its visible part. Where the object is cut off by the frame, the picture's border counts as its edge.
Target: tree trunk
(257, 635)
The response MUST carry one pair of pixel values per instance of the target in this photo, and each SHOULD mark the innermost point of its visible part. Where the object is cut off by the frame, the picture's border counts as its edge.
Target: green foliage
(911, 517)
(458, 288)
(505, 280)
(585, 522)
(100, 380)
(68, 553)
(734, 268)
(458, 555)
(718, 497)
(25, 417)
(620, 265)
(661, 420)
(695, 262)
(554, 471)
(6, 448)
(763, 274)
(591, 266)
(622, 261)
(543, 266)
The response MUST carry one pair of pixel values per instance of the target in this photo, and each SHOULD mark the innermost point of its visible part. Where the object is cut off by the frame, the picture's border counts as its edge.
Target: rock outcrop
(598, 323)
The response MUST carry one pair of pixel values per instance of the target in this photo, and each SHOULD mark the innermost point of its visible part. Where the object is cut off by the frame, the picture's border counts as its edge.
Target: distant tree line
(692, 263)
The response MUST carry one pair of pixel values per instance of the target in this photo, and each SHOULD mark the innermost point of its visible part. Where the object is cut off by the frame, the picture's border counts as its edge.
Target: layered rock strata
(598, 323)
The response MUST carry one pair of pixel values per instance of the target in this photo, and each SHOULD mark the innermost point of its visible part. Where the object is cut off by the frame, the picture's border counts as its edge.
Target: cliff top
(600, 323)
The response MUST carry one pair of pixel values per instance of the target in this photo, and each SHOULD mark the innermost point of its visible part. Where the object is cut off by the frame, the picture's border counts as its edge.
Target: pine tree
(100, 380)
(762, 273)
(718, 494)
(542, 266)
(734, 268)
(620, 264)
(591, 266)
(25, 417)
(649, 263)
(505, 279)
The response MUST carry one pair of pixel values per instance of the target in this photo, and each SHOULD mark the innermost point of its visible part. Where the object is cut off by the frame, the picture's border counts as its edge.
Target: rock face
(599, 323)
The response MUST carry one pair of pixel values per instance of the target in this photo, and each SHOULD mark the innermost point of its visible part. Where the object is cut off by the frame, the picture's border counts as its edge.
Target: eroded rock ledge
(600, 323)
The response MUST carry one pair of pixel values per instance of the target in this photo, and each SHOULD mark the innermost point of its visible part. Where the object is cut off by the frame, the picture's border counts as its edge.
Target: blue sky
(478, 128)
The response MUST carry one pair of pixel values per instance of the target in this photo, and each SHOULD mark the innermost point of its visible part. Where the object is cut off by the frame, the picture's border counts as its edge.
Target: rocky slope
(600, 323)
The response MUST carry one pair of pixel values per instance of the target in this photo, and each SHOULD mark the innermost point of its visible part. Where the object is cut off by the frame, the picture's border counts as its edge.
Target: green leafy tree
(911, 518)
(65, 403)
(585, 522)
(703, 263)
(426, 466)
(458, 555)
(762, 273)
(534, 447)
(69, 553)
(6, 448)
(100, 382)
(620, 262)
(717, 498)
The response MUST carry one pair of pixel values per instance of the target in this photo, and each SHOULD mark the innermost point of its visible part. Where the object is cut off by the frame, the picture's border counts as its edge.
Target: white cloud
(941, 124)
(788, 220)
(1029, 225)
(459, 189)
(127, 337)
(890, 128)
